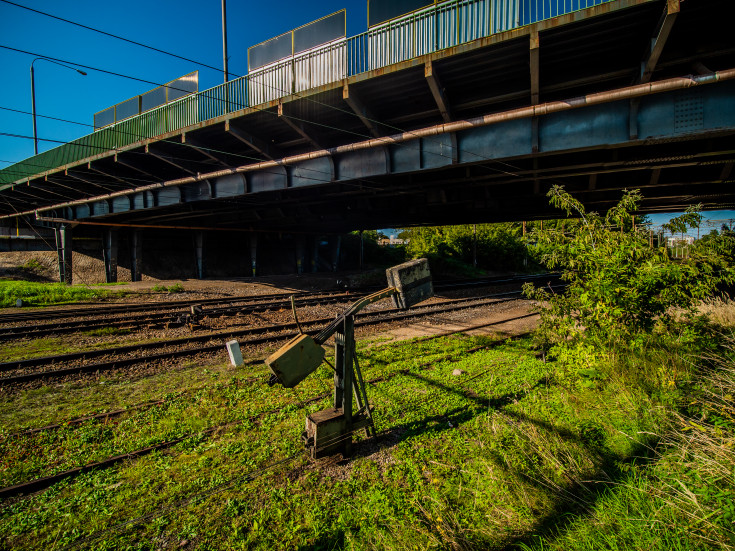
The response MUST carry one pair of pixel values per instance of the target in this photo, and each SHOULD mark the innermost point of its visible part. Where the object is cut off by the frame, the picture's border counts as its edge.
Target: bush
(621, 293)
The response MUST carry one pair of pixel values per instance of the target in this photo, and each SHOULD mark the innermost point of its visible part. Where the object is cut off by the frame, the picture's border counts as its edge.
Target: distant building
(392, 241)
(680, 241)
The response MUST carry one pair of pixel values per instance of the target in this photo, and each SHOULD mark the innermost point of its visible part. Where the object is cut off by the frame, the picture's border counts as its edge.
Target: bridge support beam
(534, 49)
(252, 142)
(93, 168)
(166, 160)
(362, 112)
(136, 255)
(64, 253)
(109, 254)
(437, 90)
(199, 250)
(198, 146)
(135, 168)
(661, 35)
(297, 126)
(76, 176)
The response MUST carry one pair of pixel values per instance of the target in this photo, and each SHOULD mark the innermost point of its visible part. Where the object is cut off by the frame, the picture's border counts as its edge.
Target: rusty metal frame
(628, 93)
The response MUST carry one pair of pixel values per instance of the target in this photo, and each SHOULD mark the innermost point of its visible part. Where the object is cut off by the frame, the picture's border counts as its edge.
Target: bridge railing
(435, 28)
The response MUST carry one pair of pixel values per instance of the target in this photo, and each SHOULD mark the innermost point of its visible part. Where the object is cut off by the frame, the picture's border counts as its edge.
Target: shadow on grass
(572, 501)
(331, 542)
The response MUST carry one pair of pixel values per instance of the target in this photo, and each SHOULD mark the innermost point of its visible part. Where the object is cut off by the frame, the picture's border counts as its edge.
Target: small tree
(619, 289)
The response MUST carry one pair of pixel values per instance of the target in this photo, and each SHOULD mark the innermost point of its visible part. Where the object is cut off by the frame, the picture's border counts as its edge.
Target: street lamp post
(33, 94)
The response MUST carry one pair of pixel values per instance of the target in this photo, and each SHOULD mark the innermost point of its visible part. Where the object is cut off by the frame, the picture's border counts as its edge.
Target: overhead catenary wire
(118, 37)
(198, 147)
(167, 141)
(278, 89)
(173, 157)
(392, 127)
(288, 116)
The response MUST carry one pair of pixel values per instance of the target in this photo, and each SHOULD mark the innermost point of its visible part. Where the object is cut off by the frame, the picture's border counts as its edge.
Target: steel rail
(101, 310)
(156, 320)
(172, 314)
(45, 314)
(283, 329)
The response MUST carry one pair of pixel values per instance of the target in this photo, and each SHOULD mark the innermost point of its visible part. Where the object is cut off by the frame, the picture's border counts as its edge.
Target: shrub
(621, 293)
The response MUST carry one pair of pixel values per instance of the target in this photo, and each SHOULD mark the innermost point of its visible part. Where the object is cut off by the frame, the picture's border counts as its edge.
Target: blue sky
(188, 28)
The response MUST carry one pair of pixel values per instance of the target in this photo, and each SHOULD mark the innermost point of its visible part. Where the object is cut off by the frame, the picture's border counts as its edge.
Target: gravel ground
(431, 324)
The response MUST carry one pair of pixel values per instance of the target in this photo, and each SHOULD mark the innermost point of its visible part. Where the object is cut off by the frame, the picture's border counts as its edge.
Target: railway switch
(329, 431)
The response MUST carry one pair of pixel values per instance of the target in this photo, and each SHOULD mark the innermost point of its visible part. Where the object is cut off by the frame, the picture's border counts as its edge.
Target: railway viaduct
(465, 111)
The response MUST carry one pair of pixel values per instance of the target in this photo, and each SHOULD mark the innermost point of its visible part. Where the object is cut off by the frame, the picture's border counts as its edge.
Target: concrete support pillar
(136, 255)
(315, 255)
(474, 245)
(109, 254)
(300, 254)
(335, 252)
(64, 253)
(199, 249)
(362, 249)
(254, 253)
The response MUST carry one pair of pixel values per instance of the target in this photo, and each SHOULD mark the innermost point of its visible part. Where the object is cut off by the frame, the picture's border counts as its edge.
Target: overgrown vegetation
(623, 296)
(493, 246)
(44, 294)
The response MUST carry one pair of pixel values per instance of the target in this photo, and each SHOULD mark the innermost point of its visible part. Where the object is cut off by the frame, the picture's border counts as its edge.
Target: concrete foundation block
(233, 349)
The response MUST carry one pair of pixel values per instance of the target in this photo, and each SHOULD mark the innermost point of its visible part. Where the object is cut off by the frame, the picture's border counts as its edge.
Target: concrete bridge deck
(597, 100)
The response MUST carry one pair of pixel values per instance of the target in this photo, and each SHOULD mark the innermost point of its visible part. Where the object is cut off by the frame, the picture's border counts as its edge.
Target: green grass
(56, 346)
(175, 288)
(510, 454)
(107, 331)
(44, 294)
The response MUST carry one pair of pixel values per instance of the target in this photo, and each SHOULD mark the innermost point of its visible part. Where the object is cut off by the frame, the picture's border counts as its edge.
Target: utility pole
(224, 39)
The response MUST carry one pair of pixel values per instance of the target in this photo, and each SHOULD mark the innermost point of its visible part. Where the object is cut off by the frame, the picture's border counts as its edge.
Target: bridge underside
(677, 146)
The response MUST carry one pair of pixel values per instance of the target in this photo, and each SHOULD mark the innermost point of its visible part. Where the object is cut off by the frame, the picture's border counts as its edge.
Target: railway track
(167, 318)
(98, 360)
(44, 482)
(36, 324)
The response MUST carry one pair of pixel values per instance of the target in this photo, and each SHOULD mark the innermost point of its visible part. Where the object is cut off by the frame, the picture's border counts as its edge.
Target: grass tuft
(513, 453)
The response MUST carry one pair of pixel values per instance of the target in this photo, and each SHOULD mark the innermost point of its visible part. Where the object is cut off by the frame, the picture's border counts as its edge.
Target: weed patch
(44, 294)
(107, 331)
(175, 288)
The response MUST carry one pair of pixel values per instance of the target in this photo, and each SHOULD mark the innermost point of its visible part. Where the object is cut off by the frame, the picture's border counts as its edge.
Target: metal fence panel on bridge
(538, 10)
(225, 98)
(437, 27)
(270, 83)
(320, 66)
